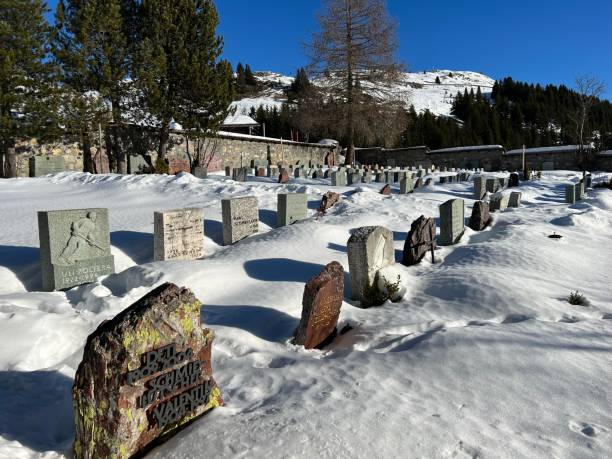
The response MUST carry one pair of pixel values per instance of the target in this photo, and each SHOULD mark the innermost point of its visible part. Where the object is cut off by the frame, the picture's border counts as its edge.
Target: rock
(480, 218)
(420, 239)
(329, 199)
(321, 304)
(145, 374)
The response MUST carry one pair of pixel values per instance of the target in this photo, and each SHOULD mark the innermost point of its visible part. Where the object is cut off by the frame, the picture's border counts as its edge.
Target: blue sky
(538, 41)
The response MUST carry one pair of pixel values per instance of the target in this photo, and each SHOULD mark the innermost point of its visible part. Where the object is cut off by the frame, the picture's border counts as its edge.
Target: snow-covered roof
(328, 142)
(239, 120)
(237, 135)
(555, 149)
(469, 148)
(605, 153)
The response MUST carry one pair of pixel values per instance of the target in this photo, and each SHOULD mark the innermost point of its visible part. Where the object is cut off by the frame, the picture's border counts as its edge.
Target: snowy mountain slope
(418, 89)
(482, 358)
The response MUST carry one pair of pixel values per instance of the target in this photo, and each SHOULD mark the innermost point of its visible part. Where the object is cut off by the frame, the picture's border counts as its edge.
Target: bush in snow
(578, 299)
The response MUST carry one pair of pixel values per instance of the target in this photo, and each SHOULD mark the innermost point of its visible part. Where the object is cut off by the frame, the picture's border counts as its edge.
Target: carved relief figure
(81, 235)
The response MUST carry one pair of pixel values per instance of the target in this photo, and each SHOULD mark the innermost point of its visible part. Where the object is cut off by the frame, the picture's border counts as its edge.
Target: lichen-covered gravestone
(291, 207)
(74, 247)
(480, 218)
(240, 218)
(370, 248)
(178, 234)
(145, 374)
(321, 307)
(420, 240)
(452, 221)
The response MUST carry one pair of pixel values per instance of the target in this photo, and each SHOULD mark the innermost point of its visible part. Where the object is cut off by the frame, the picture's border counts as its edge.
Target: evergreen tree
(438, 80)
(300, 85)
(177, 68)
(240, 79)
(249, 78)
(27, 90)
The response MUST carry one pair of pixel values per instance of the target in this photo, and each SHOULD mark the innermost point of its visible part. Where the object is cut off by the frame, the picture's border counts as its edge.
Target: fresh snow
(557, 149)
(484, 357)
(469, 148)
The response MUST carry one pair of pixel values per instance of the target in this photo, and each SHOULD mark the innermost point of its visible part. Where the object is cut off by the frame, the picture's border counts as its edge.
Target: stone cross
(452, 221)
(240, 218)
(321, 304)
(370, 248)
(74, 247)
(291, 207)
(178, 234)
(145, 374)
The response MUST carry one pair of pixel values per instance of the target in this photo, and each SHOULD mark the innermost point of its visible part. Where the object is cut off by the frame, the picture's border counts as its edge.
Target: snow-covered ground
(416, 88)
(484, 357)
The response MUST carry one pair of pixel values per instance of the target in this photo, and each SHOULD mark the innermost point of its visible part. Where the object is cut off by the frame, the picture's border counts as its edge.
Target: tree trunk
(112, 160)
(11, 162)
(350, 137)
(118, 152)
(2, 164)
(164, 136)
(88, 163)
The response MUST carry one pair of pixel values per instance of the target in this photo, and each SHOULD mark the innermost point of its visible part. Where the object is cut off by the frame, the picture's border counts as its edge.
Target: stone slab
(452, 221)
(291, 207)
(178, 234)
(43, 165)
(240, 218)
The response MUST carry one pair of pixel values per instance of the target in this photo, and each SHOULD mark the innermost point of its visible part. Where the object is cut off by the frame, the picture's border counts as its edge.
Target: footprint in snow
(584, 428)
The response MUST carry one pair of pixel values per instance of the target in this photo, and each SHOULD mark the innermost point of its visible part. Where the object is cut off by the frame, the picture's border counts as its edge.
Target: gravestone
(178, 234)
(515, 199)
(514, 180)
(588, 181)
(498, 201)
(260, 172)
(328, 200)
(418, 183)
(570, 193)
(480, 188)
(145, 374)
(354, 178)
(420, 240)
(74, 247)
(240, 218)
(200, 172)
(272, 171)
(239, 174)
(283, 177)
(452, 221)
(406, 185)
(548, 165)
(228, 171)
(443, 180)
(370, 248)
(380, 177)
(492, 185)
(291, 207)
(338, 178)
(386, 190)
(480, 218)
(321, 305)
(428, 182)
(43, 165)
(367, 177)
(579, 189)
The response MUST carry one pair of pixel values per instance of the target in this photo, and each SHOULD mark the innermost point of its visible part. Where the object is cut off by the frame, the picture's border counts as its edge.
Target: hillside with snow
(483, 358)
(416, 88)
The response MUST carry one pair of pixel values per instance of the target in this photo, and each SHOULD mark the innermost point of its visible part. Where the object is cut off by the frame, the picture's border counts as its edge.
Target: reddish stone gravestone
(329, 199)
(176, 166)
(386, 190)
(283, 177)
(145, 374)
(321, 307)
(420, 240)
(261, 172)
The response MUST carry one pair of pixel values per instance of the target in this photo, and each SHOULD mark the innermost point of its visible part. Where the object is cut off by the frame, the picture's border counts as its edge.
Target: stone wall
(490, 158)
(403, 157)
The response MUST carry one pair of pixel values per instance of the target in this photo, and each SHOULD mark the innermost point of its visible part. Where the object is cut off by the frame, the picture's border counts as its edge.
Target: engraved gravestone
(579, 189)
(178, 234)
(74, 247)
(515, 199)
(43, 165)
(291, 207)
(570, 194)
(406, 185)
(145, 374)
(452, 221)
(239, 174)
(492, 185)
(240, 218)
(498, 201)
(370, 248)
(480, 188)
(321, 304)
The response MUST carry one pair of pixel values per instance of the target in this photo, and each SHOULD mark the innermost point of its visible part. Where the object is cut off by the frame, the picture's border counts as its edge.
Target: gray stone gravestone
(515, 199)
(200, 172)
(338, 178)
(514, 180)
(240, 218)
(228, 171)
(452, 221)
(492, 185)
(589, 181)
(498, 201)
(239, 174)
(370, 248)
(145, 374)
(548, 165)
(480, 218)
(178, 234)
(406, 185)
(74, 247)
(579, 189)
(43, 165)
(570, 193)
(354, 178)
(480, 188)
(291, 207)
(367, 177)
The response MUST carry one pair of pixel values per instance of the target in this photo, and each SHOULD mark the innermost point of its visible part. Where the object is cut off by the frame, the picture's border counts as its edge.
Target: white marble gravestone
(178, 234)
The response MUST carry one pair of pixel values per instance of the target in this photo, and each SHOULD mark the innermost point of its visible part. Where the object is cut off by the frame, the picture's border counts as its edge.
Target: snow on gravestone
(74, 247)
(321, 307)
(420, 240)
(179, 234)
(452, 221)
(370, 248)
(291, 207)
(145, 374)
(240, 218)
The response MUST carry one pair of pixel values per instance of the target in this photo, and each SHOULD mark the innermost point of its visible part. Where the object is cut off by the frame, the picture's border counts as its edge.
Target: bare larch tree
(589, 89)
(355, 69)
